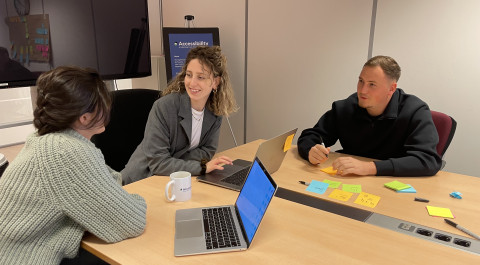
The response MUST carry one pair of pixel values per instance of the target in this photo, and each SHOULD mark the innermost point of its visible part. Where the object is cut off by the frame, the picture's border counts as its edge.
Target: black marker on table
(303, 182)
(462, 229)
(421, 199)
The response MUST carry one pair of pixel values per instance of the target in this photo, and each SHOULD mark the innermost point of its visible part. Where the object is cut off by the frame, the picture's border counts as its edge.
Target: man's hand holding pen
(318, 154)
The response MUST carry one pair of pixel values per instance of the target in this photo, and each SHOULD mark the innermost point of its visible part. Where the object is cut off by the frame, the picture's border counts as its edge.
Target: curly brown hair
(66, 93)
(221, 102)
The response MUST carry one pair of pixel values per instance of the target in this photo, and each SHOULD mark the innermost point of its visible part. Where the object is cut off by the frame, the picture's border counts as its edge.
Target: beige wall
(436, 42)
(304, 54)
(15, 111)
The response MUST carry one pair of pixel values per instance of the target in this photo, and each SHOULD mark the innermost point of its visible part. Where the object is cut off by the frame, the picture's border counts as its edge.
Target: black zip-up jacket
(403, 138)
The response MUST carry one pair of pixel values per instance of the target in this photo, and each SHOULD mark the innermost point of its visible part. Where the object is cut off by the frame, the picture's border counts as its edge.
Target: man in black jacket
(380, 122)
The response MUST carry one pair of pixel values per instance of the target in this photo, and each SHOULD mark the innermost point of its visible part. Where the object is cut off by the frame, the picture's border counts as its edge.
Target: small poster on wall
(178, 42)
(30, 38)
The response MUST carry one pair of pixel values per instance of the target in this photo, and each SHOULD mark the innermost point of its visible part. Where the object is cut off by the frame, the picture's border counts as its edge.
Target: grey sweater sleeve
(85, 190)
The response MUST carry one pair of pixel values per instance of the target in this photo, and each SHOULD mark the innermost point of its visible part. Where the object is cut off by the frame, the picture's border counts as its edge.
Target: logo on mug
(186, 189)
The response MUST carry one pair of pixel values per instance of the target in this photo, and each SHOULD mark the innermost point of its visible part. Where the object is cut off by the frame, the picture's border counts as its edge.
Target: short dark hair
(66, 93)
(389, 66)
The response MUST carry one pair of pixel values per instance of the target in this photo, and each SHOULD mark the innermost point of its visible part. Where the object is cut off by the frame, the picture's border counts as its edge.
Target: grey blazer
(165, 144)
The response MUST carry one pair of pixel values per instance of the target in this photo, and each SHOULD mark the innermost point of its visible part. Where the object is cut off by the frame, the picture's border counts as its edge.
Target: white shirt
(197, 121)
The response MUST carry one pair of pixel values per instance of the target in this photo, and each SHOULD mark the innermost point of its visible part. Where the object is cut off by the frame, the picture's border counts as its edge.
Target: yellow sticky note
(288, 143)
(367, 199)
(439, 211)
(340, 195)
(329, 170)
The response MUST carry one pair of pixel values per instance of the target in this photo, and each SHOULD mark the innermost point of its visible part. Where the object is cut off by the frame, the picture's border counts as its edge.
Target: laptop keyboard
(238, 178)
(219, 228)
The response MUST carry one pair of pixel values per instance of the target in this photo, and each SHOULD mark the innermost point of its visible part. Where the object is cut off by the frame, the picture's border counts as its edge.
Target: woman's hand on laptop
(218, 163)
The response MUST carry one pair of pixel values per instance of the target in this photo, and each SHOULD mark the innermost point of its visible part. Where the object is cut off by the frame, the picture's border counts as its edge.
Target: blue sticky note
(456, 195)
(317, 187)
(408, 190)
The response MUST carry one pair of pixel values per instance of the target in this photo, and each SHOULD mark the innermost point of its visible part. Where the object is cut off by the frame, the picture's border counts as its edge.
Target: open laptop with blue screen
(196, 231)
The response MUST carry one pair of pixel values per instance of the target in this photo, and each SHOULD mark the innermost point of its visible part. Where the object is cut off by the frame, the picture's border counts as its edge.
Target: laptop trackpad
(190, 228)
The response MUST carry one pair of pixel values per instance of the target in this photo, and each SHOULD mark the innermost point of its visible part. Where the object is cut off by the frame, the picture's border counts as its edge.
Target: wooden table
(292, 233)
(399, 205)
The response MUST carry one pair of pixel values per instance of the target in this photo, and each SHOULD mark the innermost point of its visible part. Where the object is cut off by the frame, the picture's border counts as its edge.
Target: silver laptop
(196, 231)
(270, 152)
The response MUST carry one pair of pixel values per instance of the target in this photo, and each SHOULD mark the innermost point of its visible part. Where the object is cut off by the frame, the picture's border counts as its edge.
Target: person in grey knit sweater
(59, 186)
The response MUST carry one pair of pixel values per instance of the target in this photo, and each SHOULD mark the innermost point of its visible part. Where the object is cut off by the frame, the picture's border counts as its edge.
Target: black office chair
(3, 164)
(125, 130)
(446, 127)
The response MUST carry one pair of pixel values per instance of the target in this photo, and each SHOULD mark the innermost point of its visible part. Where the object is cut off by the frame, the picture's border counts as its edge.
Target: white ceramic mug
(182, 186)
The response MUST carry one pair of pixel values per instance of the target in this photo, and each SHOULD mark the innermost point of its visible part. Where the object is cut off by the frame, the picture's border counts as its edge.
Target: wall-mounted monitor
(177, 42)
(111, 36)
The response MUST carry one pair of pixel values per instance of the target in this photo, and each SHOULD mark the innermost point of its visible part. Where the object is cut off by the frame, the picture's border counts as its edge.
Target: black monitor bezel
(172, 30)
(125, 75)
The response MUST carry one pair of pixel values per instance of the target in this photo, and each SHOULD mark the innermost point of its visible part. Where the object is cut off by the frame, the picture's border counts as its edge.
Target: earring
(214, 90)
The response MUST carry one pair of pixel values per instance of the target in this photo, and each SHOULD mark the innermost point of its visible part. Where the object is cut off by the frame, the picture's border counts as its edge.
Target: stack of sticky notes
(399, 186)
(456, 195)
(408, 190)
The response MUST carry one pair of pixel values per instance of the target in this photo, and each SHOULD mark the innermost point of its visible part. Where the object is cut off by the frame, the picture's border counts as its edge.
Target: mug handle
(170, 199)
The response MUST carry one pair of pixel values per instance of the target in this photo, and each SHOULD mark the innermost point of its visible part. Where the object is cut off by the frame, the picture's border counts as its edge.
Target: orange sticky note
(340, 195)
(288, 143)
(329, 170)
(367, 199)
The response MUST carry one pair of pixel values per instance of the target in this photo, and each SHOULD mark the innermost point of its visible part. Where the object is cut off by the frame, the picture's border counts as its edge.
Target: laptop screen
(253, 200)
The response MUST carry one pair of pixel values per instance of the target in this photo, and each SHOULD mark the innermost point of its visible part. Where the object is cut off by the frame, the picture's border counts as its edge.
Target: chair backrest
(3, 164)
(446, 126)
(125, 130)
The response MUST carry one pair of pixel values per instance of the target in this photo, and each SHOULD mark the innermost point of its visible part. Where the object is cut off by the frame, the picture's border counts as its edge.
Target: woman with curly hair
(184, 124)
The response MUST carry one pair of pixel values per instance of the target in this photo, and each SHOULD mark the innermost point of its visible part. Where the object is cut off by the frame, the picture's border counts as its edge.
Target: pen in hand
(462, 229)
(325, 147)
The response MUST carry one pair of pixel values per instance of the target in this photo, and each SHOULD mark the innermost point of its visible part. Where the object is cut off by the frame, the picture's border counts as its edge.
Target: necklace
(197, 115)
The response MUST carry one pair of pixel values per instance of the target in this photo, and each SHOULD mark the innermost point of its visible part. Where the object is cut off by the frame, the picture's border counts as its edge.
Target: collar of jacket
(185, 112)
(391, 111)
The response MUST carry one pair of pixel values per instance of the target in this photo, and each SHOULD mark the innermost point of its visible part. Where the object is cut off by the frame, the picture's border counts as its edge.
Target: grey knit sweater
(57, 188)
